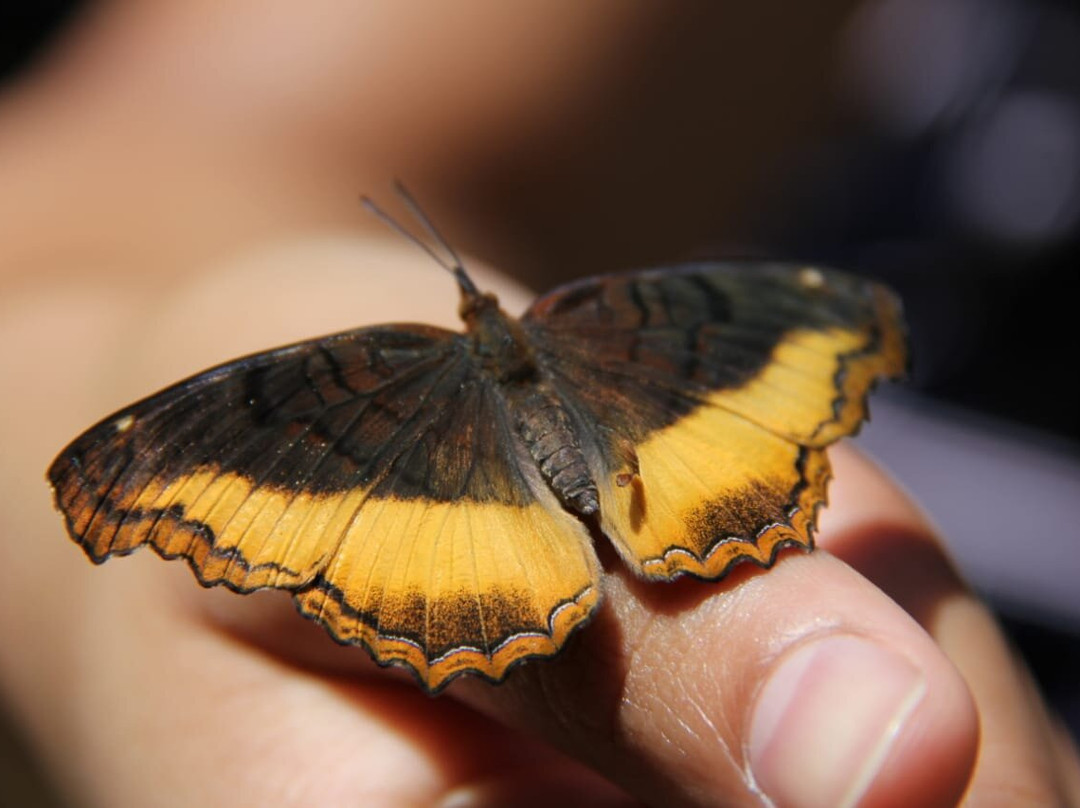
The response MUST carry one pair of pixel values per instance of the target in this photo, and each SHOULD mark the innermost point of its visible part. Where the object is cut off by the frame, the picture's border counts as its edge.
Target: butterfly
(432, 495)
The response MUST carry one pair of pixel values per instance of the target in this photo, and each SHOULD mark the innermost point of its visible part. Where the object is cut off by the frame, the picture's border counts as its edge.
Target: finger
(168, 711)
(1022, 753)
(805, 683)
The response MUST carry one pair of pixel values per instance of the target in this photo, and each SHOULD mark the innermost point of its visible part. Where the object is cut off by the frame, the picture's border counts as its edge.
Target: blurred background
(946, 163)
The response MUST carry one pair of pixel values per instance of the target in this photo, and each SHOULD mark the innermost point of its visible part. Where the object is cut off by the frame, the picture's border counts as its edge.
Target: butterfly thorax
(498, 342)
(500, 346)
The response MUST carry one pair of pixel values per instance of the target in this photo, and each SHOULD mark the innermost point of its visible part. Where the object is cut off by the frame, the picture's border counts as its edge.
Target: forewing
(712, 390)
(372, 474)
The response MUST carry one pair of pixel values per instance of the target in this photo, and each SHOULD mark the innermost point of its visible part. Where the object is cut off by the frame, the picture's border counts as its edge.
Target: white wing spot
(811, 278)
(123, 423)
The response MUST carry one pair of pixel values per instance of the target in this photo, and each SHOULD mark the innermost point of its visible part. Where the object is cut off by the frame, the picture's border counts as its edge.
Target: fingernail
(825, 721)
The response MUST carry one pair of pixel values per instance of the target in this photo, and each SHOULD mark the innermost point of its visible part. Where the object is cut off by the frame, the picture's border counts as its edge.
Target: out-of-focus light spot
(1016, 175)
(910, 65)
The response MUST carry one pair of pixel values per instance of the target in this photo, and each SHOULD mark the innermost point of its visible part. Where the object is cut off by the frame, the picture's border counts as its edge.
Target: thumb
(804, 684)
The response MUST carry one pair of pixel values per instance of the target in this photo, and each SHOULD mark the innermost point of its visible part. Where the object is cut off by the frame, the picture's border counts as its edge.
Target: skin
(155, 220)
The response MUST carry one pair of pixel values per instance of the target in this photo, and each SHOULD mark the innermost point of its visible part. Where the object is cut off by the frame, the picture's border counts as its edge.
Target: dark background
(955, 176)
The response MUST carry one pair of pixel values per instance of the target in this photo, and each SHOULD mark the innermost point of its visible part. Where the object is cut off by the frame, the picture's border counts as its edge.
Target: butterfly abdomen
(543, 424)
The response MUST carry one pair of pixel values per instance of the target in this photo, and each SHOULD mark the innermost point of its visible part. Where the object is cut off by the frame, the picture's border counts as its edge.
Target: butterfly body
(432, 495)
(501, 349)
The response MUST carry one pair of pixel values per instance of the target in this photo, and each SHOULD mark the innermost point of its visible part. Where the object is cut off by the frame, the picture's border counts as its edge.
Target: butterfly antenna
(454, 266)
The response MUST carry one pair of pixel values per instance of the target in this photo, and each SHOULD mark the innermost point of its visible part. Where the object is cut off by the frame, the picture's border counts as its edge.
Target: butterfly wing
(374, 474)
(710, 391)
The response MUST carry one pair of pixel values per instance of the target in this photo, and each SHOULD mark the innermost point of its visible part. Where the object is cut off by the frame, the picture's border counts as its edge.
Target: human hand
(686, 693)
(139, 688)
